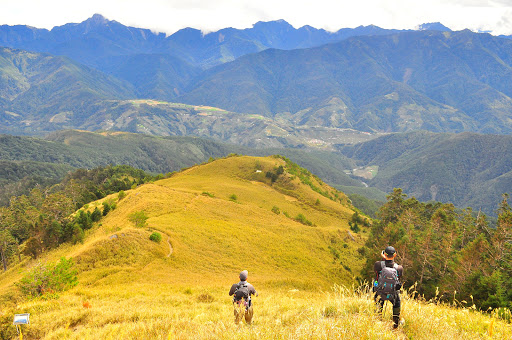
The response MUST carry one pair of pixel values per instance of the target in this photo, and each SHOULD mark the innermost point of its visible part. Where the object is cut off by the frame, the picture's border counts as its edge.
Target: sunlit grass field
(216, 220)
(200, 312)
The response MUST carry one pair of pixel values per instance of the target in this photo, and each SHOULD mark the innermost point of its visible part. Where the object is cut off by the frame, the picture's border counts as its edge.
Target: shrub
(276, 210)
(49, 278)
(121, 195)
(302, 219)
(233, 198)
(139, 218)
(96, 215)
(354, 227)
(155, 237)
(106, 208)
(206, 193)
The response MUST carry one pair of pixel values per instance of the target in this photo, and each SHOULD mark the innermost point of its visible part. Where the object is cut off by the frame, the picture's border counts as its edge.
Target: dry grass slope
(219, 220)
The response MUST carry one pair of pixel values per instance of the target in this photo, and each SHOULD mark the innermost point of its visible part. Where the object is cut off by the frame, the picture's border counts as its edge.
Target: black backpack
(388, 280)
(241, 292)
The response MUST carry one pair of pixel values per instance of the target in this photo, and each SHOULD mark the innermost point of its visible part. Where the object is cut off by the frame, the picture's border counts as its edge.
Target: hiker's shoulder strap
(382, 264)
(395, 266)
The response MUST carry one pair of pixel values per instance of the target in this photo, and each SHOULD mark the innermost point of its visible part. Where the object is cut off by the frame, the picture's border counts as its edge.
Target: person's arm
(232, 290)
(400, 272)
(252, 291)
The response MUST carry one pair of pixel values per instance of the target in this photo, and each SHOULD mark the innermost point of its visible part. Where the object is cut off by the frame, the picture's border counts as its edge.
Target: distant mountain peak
(433, 26)
(97, 19)
(280, 22)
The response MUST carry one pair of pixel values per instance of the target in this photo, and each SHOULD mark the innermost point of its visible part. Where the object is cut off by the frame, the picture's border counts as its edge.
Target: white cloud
(209, 15)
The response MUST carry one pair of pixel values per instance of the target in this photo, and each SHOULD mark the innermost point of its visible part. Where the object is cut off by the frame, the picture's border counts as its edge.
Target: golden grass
(178, 312)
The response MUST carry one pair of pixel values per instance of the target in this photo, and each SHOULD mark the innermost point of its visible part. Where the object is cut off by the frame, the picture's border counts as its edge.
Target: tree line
(446, 253)
(34, 223)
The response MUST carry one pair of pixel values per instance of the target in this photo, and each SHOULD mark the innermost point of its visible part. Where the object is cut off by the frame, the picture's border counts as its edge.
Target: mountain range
(367, 78)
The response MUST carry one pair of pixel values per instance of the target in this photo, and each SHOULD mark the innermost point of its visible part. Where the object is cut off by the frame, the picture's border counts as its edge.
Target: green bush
(49, 278)
(139, 218)
(233, 197)
(276, 210)
(121, 195)
(302, 219)
(155, 237)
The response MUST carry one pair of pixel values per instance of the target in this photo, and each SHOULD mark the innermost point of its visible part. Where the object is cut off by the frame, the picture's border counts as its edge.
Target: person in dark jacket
(388, 260)
(242, 302)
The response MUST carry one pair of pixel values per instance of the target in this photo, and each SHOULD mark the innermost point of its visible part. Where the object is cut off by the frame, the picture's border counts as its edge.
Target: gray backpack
(388, 280)
(241, 292)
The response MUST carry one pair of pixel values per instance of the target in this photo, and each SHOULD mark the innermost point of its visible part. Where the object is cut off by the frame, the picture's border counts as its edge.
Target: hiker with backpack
(387, 282)
(242, 302)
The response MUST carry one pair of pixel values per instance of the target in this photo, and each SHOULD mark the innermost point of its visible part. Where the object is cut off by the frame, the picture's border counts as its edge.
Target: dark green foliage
(276, 210)
(106, 208)
(49, 278)
(357, 221)
(84, 220)
(8, 245)
(96, 215)
(43, 219)
(233, 197)
(155, 237)
(274, 174)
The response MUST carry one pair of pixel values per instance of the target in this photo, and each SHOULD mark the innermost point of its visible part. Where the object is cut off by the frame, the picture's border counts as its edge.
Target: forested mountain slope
(437, 81)
(467, 169)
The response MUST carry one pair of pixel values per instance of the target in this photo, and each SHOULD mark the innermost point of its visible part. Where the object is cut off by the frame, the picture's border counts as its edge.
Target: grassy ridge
(218, 219)
(213, 234)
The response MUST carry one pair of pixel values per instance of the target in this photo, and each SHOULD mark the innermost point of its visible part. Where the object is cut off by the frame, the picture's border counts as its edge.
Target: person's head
(243, 275)
(389, 253)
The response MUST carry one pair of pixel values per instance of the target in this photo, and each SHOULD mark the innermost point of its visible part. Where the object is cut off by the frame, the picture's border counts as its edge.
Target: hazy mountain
(97, 38)
(433, 26)
(40, 89)
(438, 81)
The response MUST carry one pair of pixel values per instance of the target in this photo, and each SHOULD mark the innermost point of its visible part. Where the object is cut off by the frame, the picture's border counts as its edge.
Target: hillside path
(170, 246)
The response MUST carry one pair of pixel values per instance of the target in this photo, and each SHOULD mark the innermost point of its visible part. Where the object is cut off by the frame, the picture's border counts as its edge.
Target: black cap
(389, 251)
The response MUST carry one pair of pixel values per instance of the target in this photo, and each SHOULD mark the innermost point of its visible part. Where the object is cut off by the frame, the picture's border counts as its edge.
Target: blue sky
(210, 15)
